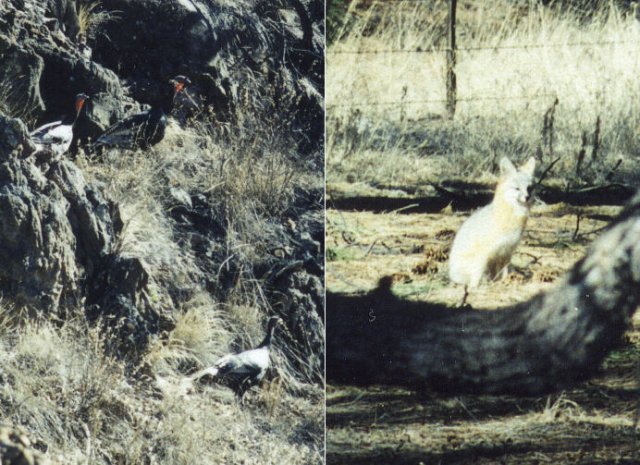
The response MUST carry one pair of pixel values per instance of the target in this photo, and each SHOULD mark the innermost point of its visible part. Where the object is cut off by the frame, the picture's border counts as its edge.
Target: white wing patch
(54, 136)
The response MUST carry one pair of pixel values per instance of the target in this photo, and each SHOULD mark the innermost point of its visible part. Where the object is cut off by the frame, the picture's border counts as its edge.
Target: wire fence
(401, 103)
(485, 47)
(450, 53)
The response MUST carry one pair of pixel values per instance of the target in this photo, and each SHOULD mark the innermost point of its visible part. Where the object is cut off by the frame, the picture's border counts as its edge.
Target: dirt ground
(596, 422)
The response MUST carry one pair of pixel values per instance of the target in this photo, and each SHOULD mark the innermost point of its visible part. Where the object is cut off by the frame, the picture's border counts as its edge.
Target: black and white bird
(56, 137)
(243, 370)
(144, 129)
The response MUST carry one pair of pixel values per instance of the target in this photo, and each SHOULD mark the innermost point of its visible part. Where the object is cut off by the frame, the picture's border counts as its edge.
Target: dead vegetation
(512, 100)
(219, 215)
(92, 17)
(81, 405)
(63, 382)
(391, 154)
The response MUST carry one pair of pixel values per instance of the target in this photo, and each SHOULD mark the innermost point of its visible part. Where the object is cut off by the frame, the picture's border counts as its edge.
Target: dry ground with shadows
(387, 146)
(593, 423)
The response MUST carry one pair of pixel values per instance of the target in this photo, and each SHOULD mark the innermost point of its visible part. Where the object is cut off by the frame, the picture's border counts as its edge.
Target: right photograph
(482, 232)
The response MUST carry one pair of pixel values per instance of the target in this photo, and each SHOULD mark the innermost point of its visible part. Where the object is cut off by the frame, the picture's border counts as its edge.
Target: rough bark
(550, 342)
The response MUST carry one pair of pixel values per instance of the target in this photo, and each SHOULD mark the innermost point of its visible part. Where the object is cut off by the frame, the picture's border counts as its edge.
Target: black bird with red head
(144, 129)
(56, 137)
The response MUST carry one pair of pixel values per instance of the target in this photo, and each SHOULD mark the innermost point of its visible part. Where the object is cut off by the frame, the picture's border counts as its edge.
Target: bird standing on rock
(56, 137)
(145, 129)
(243, 370)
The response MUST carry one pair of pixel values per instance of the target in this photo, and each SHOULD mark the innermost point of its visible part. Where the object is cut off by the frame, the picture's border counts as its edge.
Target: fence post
(451, 62)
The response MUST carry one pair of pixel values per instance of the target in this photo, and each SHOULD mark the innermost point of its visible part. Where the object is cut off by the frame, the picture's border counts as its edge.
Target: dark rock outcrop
(65, 14)
(255, 63)
(292, 274)
(59, 243)
(38, 246)
(297, 280)
(43, 68)
(266, 56)
(235, 52)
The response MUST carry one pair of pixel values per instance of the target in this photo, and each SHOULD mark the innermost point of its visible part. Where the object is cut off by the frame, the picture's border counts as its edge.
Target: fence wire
(485, 47)
(401, 103)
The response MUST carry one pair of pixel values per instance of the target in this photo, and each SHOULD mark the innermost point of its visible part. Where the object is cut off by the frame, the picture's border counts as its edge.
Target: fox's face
(516, 184)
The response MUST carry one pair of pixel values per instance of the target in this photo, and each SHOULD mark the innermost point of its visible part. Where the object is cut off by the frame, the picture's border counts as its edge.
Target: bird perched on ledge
(243, 370)
(144, 129)
(56, 137)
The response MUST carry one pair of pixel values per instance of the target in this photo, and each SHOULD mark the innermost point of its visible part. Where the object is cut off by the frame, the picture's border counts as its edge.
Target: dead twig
(545, 173)
(371, 248)
(596, 141)
(548, 128)
(575, 233)
(615, 167)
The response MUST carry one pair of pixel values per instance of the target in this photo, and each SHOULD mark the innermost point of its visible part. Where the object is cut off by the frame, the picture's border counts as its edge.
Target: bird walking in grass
(243, 370)
(56, 137)
(144, 129)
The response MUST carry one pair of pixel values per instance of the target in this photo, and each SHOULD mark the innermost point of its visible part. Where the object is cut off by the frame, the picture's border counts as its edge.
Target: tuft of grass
(81, 407)
(92, 16)
(14, 100)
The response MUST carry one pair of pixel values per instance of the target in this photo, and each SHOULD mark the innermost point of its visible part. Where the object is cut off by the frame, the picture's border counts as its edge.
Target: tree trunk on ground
(553, 341)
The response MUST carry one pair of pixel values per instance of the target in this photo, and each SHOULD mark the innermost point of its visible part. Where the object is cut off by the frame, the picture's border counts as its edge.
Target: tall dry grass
(531, 56)
(81, 405)
(92, 16)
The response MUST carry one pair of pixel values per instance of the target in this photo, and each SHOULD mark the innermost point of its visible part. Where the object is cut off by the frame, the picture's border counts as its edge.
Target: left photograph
(162, 232)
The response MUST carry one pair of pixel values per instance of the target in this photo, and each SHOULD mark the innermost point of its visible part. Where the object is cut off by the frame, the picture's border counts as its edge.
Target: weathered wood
(451, 61)
(553, 341)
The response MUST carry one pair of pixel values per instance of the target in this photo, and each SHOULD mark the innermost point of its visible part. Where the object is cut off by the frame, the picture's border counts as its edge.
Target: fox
(486, 241)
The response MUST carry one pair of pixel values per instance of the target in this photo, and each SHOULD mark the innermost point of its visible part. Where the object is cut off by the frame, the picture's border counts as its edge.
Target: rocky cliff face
(58, 239)
(60, 233)
(236, 54)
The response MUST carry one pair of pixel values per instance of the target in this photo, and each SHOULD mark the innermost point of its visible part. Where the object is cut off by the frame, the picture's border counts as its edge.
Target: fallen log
(551, 342)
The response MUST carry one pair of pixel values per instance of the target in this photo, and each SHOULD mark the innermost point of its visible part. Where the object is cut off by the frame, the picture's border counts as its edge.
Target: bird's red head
(80, 99)
(179, 83)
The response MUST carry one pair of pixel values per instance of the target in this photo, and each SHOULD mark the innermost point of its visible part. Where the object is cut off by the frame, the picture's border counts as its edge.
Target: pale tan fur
(487, 239)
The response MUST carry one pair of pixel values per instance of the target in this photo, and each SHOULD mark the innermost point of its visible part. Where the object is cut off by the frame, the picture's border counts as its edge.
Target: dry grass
(251, 181)
(92, 16)
(593, 423)
(406, 142)
(396, 150)
(484, 430)
(82, 406)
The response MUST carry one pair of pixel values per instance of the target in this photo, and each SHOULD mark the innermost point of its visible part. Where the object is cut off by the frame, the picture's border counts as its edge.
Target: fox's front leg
(477, 272)
(504, 272)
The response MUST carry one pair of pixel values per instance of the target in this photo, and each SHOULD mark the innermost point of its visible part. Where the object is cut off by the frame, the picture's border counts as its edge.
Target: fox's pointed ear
(529, 167)
(506, 167)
